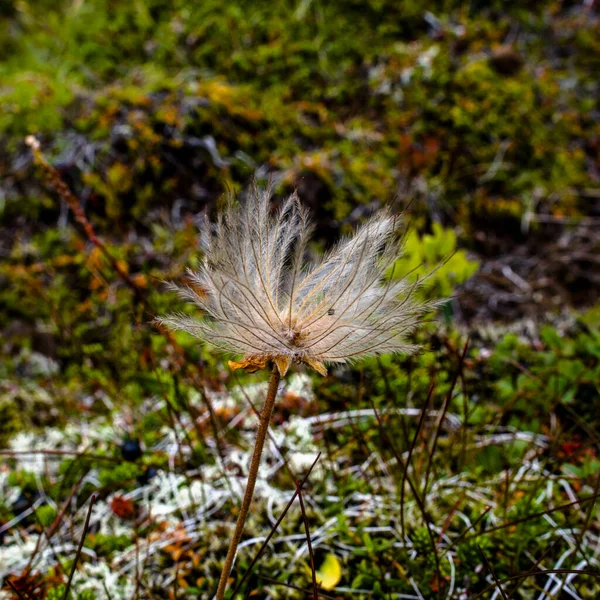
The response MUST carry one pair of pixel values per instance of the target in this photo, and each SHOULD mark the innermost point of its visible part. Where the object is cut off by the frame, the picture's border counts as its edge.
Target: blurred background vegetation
(480, 119)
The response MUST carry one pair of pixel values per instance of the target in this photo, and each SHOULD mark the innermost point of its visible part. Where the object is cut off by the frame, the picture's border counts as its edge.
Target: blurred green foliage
(45, 515)
(434, 260)
(351, 102)
(559, 376)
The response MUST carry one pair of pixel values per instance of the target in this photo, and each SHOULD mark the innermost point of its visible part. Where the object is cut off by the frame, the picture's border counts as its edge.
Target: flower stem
(263, 427)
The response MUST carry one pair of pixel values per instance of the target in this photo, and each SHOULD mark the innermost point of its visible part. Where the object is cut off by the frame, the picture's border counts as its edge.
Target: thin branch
(15, 590)
(491, 570)
(291, 586)
(309, 544)
(85, 530)
(444, 411)
(273, 529)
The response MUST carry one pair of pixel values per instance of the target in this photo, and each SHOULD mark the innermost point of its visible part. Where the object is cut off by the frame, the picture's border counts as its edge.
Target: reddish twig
(15, 590)
(62, 189)
(420, 501)
(471, 526)
(534, 516)
(540, 572)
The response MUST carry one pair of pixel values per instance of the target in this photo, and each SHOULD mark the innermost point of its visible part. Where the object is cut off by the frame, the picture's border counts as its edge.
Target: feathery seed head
(261, 300)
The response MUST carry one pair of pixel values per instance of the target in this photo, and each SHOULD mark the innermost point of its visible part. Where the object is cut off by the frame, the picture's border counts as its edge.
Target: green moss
(119, 476)
(10, 417)
(106, 545)
(46, 515)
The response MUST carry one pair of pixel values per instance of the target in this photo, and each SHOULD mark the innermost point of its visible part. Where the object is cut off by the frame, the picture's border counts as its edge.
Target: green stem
(263, 427)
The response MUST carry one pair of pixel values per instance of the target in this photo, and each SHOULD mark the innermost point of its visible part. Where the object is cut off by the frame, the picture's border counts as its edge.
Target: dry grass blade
(308, 543)
(79, 548)
(489, 568)
(425, 515)
(60, 453)
(534, 516)
(291, 586)
(273, 529)
(410, 453)
(540, 572)
(443, 415)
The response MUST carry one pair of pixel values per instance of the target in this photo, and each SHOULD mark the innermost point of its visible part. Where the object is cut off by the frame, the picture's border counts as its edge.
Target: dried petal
(283, 364)
(318, 366)
(250, 363)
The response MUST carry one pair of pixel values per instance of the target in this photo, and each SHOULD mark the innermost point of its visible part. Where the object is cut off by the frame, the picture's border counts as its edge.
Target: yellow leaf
(330, 573)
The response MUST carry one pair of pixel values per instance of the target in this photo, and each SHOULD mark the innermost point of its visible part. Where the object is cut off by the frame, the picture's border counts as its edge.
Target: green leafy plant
(564, 374)
(435, 255)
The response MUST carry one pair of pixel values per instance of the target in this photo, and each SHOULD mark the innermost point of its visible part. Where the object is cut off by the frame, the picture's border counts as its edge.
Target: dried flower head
(262, 301)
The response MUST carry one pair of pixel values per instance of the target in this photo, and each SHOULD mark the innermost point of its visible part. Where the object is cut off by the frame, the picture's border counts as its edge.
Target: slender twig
(274, 529)
(291, 586)
(59, 565)
(540, 572)
(106, 590)
(471, 526)
(577, 538)
(74, 453)
(443, 415)
(15, 589)
(390, 394)
(420, 501)
(590, 511)
(308, 543)
(513, 592)
(409, 458)
(85, 530)
(489, 568)
(533, 516)
(54, 526)
(450, 516)
(261, 435)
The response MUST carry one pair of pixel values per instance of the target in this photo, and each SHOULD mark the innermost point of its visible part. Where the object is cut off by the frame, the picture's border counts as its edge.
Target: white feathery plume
(261, 300)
